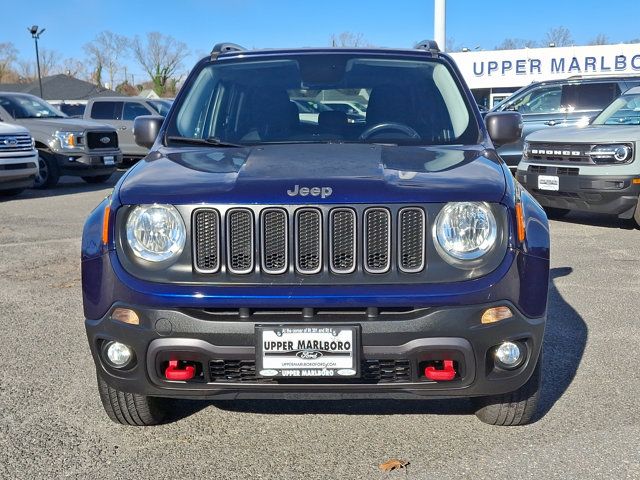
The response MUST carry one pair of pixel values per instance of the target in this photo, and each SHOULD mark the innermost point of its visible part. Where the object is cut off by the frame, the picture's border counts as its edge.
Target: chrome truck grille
(15, 143)
(309, 240)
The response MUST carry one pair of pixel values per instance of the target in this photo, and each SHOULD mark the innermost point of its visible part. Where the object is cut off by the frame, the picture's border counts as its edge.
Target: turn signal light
(522, 233)
(636, 181)
(495, 314)
(105, 225)
(125, 315)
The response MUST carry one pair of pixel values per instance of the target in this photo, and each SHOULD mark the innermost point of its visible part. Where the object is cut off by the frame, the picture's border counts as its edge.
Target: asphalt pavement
(52, 424)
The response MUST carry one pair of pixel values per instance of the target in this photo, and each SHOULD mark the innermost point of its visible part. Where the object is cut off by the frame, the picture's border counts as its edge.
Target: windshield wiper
(211, 141)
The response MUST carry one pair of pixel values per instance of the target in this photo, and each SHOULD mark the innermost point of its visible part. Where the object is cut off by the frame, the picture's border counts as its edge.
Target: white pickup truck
(18, 159)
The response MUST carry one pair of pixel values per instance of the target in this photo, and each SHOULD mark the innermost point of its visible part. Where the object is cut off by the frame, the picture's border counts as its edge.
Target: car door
(131, 110)
(540, 107)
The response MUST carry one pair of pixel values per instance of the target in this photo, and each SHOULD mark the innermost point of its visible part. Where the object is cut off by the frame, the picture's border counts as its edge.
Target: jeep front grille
(309, 240)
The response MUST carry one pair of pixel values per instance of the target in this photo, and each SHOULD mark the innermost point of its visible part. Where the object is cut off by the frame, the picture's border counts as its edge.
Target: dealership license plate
(548, 182)
(109, 160)
(307, 351)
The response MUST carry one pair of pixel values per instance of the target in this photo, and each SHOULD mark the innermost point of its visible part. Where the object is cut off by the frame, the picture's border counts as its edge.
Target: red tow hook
(174, 373)
(447, 373)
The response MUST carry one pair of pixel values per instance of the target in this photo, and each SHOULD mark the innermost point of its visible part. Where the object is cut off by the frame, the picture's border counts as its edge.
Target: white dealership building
(494, 75)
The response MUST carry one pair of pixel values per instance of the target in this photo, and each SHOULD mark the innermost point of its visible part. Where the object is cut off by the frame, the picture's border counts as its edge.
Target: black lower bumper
(616, 195)
(88, 165)
(224, 352)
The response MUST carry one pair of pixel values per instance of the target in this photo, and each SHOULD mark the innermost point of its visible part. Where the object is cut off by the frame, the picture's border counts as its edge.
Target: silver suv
(18, 159)
(595, 168)
(66, 146)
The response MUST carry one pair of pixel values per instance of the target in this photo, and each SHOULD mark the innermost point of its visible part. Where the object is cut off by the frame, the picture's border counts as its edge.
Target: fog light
(509, 355)
(118, 354)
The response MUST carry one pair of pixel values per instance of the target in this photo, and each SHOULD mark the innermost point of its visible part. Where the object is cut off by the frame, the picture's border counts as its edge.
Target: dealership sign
(516, 68)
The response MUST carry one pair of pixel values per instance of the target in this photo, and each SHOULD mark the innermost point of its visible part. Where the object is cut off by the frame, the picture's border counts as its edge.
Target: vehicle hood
(9, 129)
(588, 134)
(71, 124)
(355, 173)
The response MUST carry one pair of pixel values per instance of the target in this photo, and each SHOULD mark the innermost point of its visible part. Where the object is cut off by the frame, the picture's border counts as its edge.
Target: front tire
(97, 178)
(48, 172)
(131, 408)
(513, 408)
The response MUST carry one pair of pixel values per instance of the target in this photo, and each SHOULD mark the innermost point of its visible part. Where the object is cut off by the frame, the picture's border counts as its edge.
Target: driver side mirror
(146, 128)
(503, 127)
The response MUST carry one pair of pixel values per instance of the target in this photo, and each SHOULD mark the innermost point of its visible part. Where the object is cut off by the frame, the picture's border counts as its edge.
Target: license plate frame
(109, 160)
(280, 362)
(549, 183)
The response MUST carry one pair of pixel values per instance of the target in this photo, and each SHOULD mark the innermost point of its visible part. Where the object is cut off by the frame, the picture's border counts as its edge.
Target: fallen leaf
(393, 464)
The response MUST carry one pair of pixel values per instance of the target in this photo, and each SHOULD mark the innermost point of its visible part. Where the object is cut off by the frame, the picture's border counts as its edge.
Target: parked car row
(39, 143)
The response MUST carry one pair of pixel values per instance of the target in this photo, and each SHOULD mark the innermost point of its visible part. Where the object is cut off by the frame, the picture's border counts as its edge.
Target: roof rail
(428, 45)
(225, 47)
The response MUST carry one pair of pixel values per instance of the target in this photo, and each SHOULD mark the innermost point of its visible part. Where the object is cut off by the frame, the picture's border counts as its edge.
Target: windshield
(28, 106)
(282, 100)
(624, 110)
(160, 106)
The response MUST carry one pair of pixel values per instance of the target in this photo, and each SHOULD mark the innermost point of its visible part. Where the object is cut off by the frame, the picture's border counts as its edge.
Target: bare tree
(600, 39)
(559, 36)
(74, 68)
(349, 39)
(160, 56)
(106, 52)
(452, 46)
(515, 43)
(8, 55)
(49, 62)
(26, 71)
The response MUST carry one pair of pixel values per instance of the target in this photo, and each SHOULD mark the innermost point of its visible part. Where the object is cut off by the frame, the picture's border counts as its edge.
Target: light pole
(35, 34)
(439, 23)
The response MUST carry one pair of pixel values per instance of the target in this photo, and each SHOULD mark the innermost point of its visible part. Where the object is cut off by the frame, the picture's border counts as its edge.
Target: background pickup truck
(66, 146)
(120, 112)
(18, 159)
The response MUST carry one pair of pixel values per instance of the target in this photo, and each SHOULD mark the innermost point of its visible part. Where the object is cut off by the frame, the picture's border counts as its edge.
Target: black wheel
(553, 212)
(514, 408)
(11, 193)
(131, 408)
(48, 172)
(97, 178)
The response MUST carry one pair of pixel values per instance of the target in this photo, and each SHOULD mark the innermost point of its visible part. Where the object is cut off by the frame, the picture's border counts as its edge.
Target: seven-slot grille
(15, 143)
(297, 240)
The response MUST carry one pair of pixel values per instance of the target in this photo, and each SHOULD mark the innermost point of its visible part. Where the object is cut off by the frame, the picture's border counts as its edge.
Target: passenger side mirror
(504, 127)
(146, 128)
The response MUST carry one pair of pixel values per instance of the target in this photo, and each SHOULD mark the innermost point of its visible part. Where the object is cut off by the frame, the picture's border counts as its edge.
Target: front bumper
(18, 171)
(87, 164)
(612, 194)
(428, 334)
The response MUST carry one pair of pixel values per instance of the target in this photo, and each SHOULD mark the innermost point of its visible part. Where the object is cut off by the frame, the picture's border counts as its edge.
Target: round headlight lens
(466, 230)
(156, 232)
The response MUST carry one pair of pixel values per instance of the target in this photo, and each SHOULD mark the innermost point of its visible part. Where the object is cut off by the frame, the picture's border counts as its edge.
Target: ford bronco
(253, 255)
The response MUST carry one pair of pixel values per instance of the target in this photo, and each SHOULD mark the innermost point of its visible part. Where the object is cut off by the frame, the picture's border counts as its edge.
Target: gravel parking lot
(52, 424)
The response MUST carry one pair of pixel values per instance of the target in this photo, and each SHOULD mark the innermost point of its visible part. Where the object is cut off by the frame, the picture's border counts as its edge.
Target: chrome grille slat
(206, 240)
(308, 240)
(411, 239)
(240, 237)
(377, 240)
(342, 240)
(274, 246)
(20, 143)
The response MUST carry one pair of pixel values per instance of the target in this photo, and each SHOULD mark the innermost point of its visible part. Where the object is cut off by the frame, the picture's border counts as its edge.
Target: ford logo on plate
(105, 140)
(309, 354)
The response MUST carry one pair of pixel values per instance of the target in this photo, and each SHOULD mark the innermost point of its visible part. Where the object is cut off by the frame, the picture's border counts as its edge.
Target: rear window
(133, 110)
(280, 100)
(107, 110)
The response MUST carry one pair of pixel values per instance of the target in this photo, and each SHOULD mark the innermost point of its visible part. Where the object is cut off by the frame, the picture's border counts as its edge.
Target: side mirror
(504, 127)
(146, 128)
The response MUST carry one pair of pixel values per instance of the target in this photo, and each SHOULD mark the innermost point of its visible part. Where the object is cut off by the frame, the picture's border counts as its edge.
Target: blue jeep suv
(254, 254)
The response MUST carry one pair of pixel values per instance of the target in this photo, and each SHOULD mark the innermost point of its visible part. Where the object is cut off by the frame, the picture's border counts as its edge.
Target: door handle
(122, 128)
(552, 123)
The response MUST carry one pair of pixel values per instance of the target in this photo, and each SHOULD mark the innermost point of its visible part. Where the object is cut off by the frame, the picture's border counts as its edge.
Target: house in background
(65, 92)
(149, 93)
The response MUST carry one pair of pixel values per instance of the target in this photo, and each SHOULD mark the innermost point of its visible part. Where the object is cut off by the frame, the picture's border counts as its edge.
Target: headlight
(525, 151)
(612, 153)
(465, 230)
(67, 139)
(156, 232)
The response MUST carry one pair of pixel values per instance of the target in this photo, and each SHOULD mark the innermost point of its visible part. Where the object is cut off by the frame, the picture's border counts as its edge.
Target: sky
(287, 23)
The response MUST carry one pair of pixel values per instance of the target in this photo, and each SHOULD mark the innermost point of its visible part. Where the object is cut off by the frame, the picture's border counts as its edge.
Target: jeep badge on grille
(322, 192)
